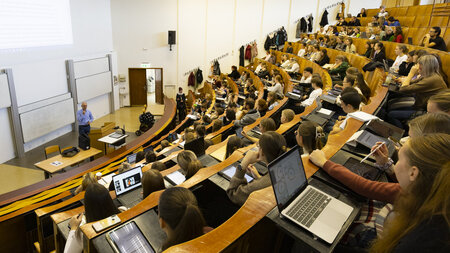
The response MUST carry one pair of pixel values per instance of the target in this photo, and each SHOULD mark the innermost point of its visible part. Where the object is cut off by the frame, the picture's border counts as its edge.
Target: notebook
(306, 206)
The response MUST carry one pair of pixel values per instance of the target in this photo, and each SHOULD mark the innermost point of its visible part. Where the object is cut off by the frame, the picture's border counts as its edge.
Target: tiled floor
(20, 172)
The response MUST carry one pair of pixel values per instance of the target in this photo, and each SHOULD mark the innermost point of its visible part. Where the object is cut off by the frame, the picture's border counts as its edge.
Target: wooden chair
(51, 149)
(440, 21)
(421, 21)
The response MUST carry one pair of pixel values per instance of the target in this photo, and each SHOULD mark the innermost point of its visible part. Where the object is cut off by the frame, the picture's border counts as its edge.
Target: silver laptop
(307, 206)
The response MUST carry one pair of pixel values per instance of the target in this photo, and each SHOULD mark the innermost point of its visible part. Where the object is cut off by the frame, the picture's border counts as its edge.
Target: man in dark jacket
(251, 114)
(234, 73)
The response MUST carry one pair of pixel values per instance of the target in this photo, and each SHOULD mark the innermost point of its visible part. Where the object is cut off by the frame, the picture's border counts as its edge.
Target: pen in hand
(371, 153)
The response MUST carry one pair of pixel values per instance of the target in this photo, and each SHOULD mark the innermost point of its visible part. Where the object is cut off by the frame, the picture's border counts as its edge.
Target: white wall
(206, 29)
(40, 73)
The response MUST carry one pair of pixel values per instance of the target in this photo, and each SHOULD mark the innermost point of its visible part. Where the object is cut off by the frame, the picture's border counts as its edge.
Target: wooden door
(159, 95)
(138, 86)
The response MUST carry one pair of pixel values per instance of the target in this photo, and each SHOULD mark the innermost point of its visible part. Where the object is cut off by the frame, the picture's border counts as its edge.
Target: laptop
(306, 206)
(125, 183)
(197, 146)
(131, 158)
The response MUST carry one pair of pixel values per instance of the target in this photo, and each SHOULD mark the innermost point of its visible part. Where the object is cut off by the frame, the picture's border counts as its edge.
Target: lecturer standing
(85, 119)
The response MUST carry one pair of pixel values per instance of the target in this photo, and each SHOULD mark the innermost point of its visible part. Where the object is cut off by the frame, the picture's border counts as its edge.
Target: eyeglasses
(432, 31)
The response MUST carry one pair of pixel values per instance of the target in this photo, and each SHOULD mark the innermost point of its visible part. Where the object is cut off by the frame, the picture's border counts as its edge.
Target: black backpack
(84, 142)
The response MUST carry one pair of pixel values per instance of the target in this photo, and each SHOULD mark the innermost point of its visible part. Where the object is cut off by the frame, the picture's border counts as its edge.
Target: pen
(371, 153)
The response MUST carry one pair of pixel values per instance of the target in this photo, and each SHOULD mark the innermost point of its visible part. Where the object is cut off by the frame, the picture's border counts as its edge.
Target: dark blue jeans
(86, 129)
(396, 117)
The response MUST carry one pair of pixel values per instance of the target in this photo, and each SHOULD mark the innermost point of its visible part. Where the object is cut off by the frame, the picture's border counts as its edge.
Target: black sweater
(429, 236)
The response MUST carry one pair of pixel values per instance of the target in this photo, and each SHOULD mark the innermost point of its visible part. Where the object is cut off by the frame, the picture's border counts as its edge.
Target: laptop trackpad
(332, 218)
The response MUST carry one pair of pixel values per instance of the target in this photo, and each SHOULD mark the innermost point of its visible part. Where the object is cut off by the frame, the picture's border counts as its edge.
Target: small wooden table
(57, 163)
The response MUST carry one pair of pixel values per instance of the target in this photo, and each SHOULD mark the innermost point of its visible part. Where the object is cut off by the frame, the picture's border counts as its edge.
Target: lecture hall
(224, 126)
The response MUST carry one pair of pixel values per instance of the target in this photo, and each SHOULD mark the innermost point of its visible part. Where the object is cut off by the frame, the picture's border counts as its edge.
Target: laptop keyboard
(309, 207)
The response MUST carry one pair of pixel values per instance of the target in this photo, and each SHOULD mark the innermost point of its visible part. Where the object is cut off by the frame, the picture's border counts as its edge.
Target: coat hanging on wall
(191, 79)
(248, 52)
(254, 50)
(324, 20)
(241, 56)
(310, 24)
(199, 76)
(303, 25)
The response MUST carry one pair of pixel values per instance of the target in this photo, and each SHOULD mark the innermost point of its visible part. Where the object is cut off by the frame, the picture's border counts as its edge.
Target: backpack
(70, 152)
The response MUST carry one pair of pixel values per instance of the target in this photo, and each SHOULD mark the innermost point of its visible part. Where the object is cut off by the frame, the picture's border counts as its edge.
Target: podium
(95, 134)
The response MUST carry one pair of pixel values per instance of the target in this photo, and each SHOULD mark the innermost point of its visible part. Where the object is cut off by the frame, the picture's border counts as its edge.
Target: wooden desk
(63, 162)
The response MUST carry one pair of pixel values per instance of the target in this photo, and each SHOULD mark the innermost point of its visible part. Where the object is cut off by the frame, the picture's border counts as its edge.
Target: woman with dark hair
(230, 115)
(98, 205)
(362, 13)
(180, 217)
(271, 146)
(323, 57)
(152, 181)
(405, 67)
(234, 143)
(369, 49)
(262, 107)
(398, 34)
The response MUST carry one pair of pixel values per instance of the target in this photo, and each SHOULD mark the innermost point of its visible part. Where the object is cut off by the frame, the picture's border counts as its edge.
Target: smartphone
(395, 141)
(106, 223)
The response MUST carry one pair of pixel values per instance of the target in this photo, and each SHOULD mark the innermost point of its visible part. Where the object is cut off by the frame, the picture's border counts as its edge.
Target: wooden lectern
(95, 134)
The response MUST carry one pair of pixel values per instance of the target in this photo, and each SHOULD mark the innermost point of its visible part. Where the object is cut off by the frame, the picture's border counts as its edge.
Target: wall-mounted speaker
(172, 37)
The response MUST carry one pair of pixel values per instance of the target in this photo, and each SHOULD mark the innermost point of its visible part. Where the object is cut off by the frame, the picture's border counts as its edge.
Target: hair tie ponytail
(319, 132)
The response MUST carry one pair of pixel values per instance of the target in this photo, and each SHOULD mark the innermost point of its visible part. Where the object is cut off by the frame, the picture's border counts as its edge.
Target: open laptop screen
(131, 158)
(288, 177)
(127, 180)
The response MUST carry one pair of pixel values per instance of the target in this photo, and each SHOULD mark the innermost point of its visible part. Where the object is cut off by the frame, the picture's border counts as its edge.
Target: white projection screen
(34, 23)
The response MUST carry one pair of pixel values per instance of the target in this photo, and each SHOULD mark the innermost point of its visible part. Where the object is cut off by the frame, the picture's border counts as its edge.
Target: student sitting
(140, 156)
(391, 21)
(234, 143)
(230, 115)
(217, 125)
(250, 114)
(234, 73)
(310, 137)
(152, 181)
(362, 13)
(188, 162)
(88, 178)
(432, 39)
(398, 34)
(261, 106)
(272, 100)
(150, 157)
(323, 58)
(349, 103)
(265, 125)
(284, 61)
(340, 45)
(294, 67)
(401, 52)
(421, 218)
(180, 217)
(165, 144)
(317, 85)
(405, 67)
(287, 115)
(159, 166)
(349, 46)
(413, 153)
(302, 51)
(429, 84)
(98, 205)
(337, 71)
(271, 146)
(439, 102)
(307, 75)
(278, 87)
(354, 22)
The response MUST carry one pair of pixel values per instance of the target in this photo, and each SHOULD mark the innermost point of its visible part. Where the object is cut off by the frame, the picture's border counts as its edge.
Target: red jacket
(191, 79)
(248, 52)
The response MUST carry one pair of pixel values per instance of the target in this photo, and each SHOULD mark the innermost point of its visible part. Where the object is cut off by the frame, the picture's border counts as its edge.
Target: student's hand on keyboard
(318, 157)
